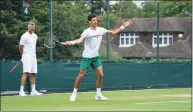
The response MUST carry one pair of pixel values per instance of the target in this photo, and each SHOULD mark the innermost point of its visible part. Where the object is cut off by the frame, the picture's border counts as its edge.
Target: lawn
(175, 99)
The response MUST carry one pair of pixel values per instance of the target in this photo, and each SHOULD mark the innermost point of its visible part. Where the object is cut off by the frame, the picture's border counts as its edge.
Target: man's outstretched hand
(127, 23)
(67, 43)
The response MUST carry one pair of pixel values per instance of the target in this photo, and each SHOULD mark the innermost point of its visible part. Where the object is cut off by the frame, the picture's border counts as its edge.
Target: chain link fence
(69, 19)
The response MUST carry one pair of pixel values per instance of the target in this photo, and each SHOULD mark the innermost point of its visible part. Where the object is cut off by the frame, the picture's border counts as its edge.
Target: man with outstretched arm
(92, 38)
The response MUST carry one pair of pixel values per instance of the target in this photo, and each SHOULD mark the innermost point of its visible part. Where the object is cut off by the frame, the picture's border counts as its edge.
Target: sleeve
(36, 37)
(84, 34)
(104, 31)
(22, 40)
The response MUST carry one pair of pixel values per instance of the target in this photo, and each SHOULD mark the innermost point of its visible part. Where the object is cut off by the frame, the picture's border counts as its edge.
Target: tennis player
(27, 49)
(92, 38)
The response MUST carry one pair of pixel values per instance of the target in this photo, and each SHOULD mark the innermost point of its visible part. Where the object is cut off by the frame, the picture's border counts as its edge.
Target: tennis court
(173, 99)
(147, 65)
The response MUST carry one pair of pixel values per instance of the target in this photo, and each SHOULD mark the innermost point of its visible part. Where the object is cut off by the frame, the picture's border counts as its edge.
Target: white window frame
(162, 36)
(124, 36)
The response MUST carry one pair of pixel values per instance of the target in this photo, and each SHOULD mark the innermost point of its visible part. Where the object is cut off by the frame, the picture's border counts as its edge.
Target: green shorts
(93, 62)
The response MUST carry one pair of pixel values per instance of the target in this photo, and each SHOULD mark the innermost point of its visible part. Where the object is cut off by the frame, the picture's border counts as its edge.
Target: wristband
(122, 27)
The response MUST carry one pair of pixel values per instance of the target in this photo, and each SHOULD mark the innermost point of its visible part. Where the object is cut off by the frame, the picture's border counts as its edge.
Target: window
(128, 39)
(122, 40)
(155, 40)
(160, 40)
(132, 41)
(165, 39)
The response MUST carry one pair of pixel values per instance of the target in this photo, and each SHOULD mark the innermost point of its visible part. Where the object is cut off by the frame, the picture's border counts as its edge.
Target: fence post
(51, 54)
(158, 30)
(107, 6)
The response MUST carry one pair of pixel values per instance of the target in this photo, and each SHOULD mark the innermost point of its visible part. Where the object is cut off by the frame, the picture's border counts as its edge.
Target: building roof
(179, 49)
(150, 24)
(141, 49)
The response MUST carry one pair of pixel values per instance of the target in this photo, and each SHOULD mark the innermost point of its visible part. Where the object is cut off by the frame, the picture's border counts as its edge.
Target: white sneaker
(73, 97)
(33, 93)
(100, 97)
(22, 93)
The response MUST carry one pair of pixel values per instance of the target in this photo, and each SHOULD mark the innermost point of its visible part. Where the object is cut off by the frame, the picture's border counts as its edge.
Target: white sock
(75, 91)
(98, 91)
(33, 87)
(21, 88)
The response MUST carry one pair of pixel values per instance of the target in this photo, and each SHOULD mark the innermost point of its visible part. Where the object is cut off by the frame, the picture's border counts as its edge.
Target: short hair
(90, 16)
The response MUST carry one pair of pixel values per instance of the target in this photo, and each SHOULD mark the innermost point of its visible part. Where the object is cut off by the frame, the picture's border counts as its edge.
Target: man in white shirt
(27, 49)
(92, 38)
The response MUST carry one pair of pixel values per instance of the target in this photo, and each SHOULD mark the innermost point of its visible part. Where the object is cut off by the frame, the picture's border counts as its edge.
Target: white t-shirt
(29, 42)
(92, 41)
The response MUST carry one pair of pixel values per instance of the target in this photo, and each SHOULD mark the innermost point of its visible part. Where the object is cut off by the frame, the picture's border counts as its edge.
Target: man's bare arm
(77, 41)
(116, 31)
(21, 49)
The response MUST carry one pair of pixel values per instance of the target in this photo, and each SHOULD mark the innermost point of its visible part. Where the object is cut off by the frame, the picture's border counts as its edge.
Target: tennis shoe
(22, 93)
(73, 97)
(33, 93)
(100, 97)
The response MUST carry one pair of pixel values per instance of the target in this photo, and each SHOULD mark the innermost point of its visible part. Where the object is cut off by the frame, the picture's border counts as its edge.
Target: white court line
(186, 101)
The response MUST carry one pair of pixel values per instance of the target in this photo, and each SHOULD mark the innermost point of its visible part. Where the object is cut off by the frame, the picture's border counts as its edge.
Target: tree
(69, 21)
(14, 24)
(95, 6)
(176, 9)
(149, 9)
(167, 9)
(126, 9)
(11, 27)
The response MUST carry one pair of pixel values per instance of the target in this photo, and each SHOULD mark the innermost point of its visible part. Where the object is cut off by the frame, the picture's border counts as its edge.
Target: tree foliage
(167, 9)
(126, 9)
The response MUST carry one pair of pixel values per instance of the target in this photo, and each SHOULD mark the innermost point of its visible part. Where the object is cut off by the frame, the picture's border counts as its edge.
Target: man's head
(92, 19)
(31, 27)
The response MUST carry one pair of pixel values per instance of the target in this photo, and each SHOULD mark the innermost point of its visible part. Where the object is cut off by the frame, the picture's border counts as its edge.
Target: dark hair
(90, 16)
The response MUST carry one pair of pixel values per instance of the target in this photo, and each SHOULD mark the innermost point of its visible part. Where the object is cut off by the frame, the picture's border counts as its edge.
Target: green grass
(178, 99)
